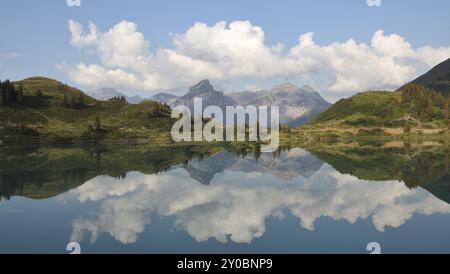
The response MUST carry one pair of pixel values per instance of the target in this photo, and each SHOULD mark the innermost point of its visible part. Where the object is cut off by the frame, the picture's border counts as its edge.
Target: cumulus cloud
(227, 52)
(232, 209)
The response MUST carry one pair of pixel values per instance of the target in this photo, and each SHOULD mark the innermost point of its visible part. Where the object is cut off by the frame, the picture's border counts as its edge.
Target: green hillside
(414, 107)
(44, 110)
(421, 105)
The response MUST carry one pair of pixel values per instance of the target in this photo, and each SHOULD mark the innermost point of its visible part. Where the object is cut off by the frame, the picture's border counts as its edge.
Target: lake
(215, 199)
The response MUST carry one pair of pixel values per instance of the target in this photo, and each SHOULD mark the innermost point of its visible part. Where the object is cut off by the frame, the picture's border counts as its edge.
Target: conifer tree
(81, 100)
(20, 95)
(98, 124)
(65, 100)
(446, 109)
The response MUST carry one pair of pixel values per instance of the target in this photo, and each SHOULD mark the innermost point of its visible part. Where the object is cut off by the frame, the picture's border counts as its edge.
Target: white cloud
(227, 52)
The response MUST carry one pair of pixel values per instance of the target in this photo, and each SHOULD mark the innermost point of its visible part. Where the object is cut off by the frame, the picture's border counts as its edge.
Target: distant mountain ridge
(105, 94)
(297, 105)
(164, 98)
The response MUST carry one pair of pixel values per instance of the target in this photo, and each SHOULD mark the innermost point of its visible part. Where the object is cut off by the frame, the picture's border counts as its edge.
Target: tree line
(426, 102)
(75, 102)
(10, 95)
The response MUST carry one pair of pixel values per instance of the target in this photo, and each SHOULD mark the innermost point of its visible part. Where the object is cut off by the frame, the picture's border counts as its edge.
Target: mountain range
(45, 110)
(297, 105)
(164, 98)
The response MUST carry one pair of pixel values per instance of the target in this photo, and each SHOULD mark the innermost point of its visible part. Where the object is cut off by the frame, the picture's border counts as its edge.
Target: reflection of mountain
(47, 172)
(287, 165)
(389, 186)
(204, 170)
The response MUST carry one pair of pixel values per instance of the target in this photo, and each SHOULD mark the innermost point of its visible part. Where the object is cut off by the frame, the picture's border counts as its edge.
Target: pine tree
(157, 110)
(81, 100)
(73, 102)
(65, 101)
(429, 106)
(98, 124)
(90, 129)
(446, 109)
(11, 93)
(20, 95)
(1, 93)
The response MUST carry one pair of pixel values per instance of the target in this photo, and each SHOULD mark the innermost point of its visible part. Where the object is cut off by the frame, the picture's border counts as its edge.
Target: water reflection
(214, 193)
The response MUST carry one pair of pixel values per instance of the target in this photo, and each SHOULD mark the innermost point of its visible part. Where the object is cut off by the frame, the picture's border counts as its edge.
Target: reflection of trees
(46, 172)
(426, 168)
(414, 166)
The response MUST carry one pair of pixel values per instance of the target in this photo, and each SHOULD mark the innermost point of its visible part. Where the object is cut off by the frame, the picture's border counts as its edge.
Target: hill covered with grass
(414, 106)
(41, 109)
(421, 105)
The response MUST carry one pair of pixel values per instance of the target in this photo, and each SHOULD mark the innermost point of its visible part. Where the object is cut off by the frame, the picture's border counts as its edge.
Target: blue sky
(36, 38)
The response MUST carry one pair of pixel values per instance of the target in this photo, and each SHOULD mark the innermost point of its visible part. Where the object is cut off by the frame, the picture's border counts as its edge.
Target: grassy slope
(368, 108)
(387, 109)
(48, 120)
(374, 109)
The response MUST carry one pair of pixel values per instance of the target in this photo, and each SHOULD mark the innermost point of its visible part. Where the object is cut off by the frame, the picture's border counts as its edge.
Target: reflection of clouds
(237, 208)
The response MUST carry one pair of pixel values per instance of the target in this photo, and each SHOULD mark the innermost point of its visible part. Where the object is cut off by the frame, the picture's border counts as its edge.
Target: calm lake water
(216, 200)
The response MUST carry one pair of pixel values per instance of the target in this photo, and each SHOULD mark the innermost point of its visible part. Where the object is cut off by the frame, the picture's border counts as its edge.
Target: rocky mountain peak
(308, 89)
(202, 87)
(286, 87)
